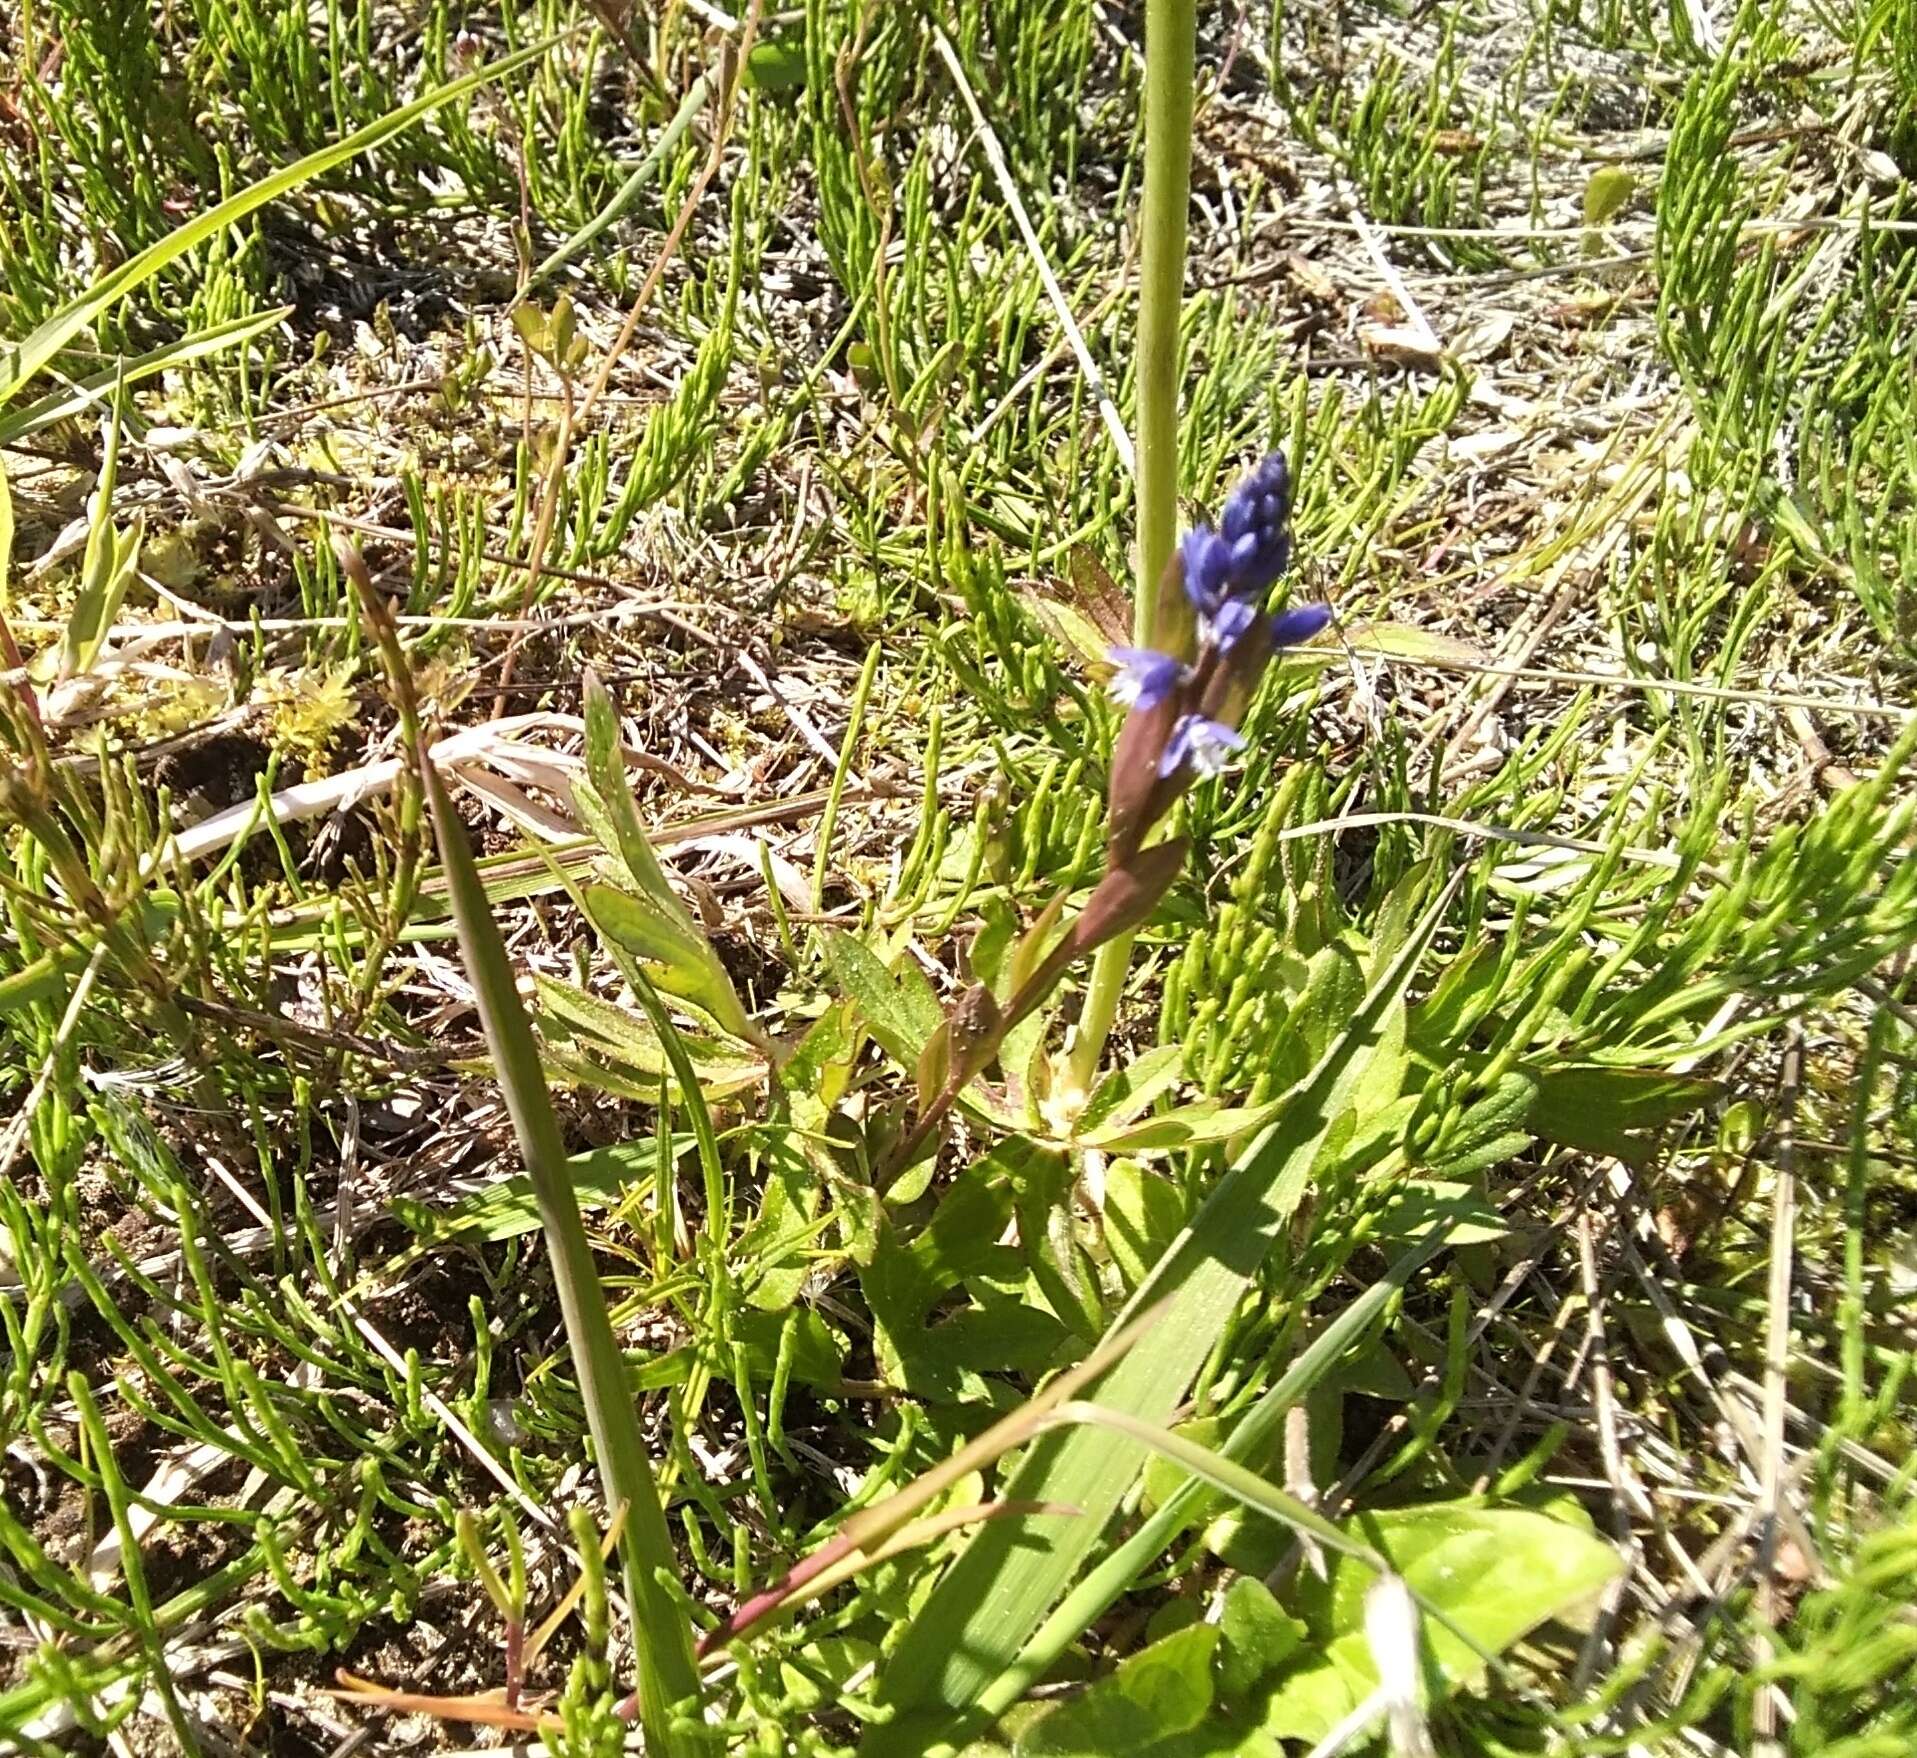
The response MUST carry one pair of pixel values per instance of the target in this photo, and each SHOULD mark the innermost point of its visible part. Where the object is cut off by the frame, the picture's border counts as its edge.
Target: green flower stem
(1170, 38)
(661, 1635)
(1170, 55)
(1095, 1016)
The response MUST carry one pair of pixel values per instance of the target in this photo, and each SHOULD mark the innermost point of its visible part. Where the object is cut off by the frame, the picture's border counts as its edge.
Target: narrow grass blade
(622, 197)
(19, 363)
(854, 1561)
(58, 405)
(1221, 1473)
(119, 1503)
(661, 1637)
(980, 1616)
(854, 726)
(6, 537)
(111, 557)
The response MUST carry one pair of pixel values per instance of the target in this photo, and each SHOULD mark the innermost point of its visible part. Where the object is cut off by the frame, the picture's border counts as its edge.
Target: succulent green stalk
(1170, 54)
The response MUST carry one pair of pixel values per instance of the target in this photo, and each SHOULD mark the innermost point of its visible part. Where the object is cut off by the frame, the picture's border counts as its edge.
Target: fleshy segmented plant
(1185, 707)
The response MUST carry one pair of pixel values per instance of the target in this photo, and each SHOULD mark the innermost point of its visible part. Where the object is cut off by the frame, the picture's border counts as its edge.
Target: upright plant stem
(1170, 35)
(661, 1635)
(1170, 54)
(662, 1639)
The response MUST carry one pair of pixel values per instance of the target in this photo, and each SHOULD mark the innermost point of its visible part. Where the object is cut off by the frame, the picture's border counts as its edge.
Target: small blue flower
(1201, 744)
(1207, 558)
(1290, 628)
(1225, 625)
(1258, 546)
(1145, 677)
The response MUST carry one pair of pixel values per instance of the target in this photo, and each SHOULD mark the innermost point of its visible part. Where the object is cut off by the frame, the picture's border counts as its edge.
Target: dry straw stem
(728, 98)
(1015, 203)
(1777, 1347)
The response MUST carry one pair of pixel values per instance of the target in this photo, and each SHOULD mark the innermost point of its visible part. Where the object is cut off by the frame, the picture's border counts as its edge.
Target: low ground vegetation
(1501, 1162)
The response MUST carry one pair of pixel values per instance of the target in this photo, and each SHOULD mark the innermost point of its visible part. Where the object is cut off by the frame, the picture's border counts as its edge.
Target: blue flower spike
(1232, 620)
(1208, 578)
(1145, 678)
(1186, 709)
(1254, 526)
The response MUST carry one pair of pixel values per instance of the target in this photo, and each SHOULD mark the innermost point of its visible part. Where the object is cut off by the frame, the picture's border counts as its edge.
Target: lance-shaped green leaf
(676, 959)
(1221, 1473)
(619, 827)
(992, 1599)
(648, 920)
(896, 1006)
(623, 1053)
(111, 558)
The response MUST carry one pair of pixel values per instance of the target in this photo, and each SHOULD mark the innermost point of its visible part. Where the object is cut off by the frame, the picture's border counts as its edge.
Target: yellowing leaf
(1399, 641)
(1495, 1573)
(1607, 194)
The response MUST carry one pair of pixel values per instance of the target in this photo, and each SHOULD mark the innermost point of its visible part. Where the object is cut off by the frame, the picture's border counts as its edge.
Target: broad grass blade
(1253, 1435)
(867, 1533)
(1222, 1473)
(981, 1615)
